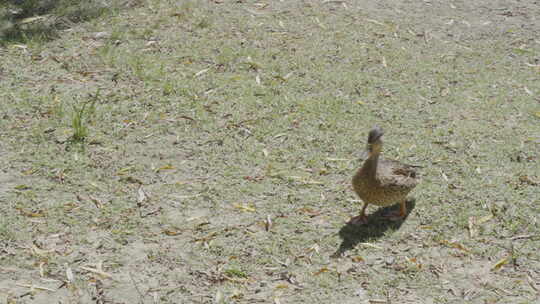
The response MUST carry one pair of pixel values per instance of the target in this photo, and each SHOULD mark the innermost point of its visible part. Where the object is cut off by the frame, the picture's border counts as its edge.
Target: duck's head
(374, 142)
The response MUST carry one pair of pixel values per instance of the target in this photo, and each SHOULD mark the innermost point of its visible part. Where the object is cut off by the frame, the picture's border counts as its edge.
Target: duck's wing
(393, 173)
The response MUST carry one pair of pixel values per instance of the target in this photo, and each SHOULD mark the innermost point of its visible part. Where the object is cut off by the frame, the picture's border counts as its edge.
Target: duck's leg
(360, 219)
(400, 214)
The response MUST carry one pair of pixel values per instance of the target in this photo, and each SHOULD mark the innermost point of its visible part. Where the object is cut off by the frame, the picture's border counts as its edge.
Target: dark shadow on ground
(377, 225)
(25, 20)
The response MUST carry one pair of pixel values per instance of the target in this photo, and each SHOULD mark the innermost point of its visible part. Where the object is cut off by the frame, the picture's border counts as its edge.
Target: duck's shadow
(376, 227)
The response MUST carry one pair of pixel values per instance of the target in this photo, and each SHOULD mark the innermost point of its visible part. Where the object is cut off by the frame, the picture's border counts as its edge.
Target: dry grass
(220, 143)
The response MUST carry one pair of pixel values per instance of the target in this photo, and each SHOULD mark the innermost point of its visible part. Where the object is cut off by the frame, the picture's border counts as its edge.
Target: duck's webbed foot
(398, 215)
(358, 220)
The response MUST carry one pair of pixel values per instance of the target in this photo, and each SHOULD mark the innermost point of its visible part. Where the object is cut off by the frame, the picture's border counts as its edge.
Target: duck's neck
(370, 165)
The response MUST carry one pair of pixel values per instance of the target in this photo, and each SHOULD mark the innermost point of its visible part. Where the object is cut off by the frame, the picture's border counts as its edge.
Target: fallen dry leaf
(357, 259)
(186, 117)
(282, 286)
(166, 167)
(244, 208)
(322, 270)
(39, 213)
(170, 232)
(454, 245)
(315, 248)
(207, 238)
(500, 263)
(310, 212)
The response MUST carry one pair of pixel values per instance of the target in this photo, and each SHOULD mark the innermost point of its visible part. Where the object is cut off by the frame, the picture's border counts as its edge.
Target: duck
(381, 181)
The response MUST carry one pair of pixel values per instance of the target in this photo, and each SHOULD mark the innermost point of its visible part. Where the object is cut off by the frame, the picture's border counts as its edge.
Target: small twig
(97, 271)
(32, 286)
(157, 210)
(522, 236)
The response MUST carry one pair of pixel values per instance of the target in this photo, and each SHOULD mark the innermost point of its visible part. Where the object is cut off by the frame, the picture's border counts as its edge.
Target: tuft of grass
(80, 131)
(233, 272)
(81, 115)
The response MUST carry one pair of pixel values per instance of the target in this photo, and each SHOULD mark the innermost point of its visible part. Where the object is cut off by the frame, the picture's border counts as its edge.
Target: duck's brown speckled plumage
(391, 183)
(383, 182)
